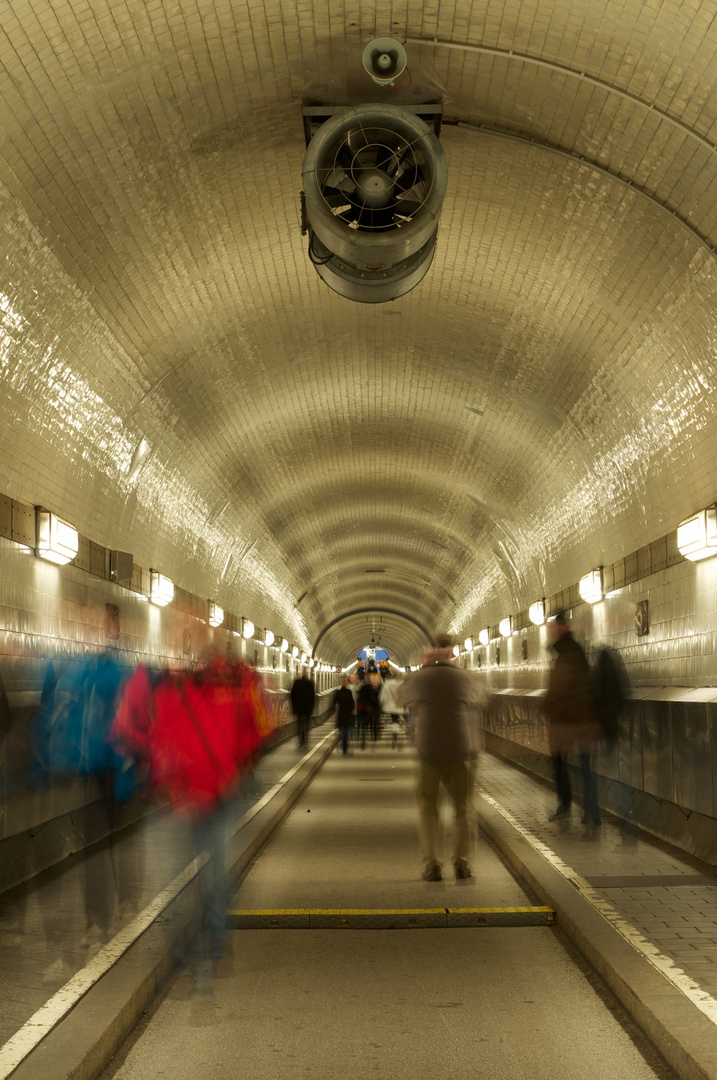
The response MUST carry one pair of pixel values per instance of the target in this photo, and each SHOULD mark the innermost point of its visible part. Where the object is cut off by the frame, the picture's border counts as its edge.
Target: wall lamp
(697, 535)
(505, 626)
(216, 614)
(484, 636)
(284, 645)
(295, 651)
(247, 628)
(590, 586)
(456, 650)
(56, 539)
(161, 589)
(269, 638)
(536, 613)
(468, 644)
(311, 661)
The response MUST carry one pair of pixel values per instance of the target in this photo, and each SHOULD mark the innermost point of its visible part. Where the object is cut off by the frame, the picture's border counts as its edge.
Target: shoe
(59, 972)
(463, 871)
(432, 873)
(592, 832)
(563, 813)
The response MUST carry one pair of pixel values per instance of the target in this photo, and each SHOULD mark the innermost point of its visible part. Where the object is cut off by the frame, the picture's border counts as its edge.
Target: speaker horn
(385, 60)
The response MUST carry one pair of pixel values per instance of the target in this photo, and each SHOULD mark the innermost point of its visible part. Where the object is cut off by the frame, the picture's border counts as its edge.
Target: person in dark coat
(572, 721)
(303, 696)
(369, 708)
(343, 706)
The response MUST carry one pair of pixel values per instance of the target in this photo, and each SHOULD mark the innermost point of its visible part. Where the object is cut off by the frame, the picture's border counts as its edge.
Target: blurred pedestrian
(443, 700)
(344, 707)
(572, 721)
(303, 695)
(391, 705)
(368, 706)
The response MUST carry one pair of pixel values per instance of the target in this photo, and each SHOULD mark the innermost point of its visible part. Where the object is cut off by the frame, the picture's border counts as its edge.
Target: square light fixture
(505, 627)
(161, 589)
(484, 636)
(536, 613)
(269, 637)
(56, 540)
(697, 535)
(247, 628)
(216, 614)
(590, 586)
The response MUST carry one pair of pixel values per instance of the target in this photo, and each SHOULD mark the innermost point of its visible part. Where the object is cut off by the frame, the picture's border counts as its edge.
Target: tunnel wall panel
(658, 774)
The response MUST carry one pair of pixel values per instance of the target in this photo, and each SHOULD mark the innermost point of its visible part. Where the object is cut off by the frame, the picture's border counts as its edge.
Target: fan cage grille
(375, 179)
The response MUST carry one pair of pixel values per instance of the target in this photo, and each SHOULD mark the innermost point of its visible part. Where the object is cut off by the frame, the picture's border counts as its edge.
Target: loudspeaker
(385, 60)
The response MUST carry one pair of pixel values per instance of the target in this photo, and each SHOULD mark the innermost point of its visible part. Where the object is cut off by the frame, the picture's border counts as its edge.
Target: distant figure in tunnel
(443, 700)
(344, 707)
(303, 695)
(572, 721)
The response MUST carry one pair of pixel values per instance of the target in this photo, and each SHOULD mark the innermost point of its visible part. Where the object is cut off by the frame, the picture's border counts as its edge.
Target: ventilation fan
(374, 182)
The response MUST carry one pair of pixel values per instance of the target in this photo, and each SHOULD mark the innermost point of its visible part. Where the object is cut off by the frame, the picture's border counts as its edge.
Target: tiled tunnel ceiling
(180, 383)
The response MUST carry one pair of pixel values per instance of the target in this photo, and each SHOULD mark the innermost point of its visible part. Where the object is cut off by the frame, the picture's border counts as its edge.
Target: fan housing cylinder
(374, 183)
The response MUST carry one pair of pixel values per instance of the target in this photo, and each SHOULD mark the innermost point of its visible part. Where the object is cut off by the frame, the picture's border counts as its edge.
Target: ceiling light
(697, 535)
(504, 626)
(268, 637)
(216, 614)
(57, 540)
(590, 586)
(536, 613)
(484, 636)
(161, 589)
(247, 628)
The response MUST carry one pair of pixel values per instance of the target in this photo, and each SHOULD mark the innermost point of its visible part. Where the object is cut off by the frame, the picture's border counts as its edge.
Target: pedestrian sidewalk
(660, 902)
(55, 924)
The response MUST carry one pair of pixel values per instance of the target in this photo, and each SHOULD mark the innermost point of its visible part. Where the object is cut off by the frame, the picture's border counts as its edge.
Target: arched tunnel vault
(178, 382)
(375, 626)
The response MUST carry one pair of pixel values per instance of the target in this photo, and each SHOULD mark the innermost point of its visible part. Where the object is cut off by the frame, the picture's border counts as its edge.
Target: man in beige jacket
(443, 700)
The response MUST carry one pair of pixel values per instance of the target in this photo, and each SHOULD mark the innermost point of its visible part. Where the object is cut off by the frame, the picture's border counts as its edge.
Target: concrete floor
(496, 1003)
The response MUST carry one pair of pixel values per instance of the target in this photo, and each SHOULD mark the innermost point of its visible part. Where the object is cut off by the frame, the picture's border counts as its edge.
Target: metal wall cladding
(656, 740)
(691, 731)
(666, 747)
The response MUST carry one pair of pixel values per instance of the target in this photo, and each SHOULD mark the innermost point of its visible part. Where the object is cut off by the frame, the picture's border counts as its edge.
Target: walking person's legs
(428, 783)
(458, 783)
(562, 785)
(590, 803)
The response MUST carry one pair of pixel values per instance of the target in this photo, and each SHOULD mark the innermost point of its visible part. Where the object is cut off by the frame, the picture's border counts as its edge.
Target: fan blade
(416, 194)
(336, 200)
(338, 178)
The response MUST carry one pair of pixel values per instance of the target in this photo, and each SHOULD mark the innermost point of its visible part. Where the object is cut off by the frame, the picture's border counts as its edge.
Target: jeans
(563, 786)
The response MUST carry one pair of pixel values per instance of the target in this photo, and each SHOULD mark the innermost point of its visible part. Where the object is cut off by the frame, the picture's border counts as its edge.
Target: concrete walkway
(644, 914)
(475, 1004)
